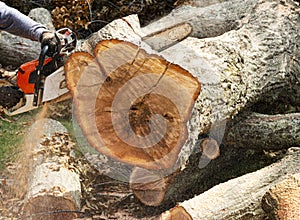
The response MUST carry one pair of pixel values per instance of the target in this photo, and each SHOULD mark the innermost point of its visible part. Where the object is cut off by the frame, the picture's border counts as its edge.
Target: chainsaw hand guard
(49, 39)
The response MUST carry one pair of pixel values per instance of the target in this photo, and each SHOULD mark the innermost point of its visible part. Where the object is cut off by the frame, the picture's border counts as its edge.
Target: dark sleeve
(14, 22)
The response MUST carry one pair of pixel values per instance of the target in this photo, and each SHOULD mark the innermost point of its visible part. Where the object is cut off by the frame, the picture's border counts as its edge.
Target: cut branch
(210, 21)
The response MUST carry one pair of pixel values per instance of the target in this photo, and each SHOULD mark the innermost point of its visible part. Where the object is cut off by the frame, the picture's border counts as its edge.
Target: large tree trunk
(253, 50)
(54, 190)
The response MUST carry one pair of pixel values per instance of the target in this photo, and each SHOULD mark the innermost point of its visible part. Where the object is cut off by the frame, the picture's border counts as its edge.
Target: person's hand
(48, 38)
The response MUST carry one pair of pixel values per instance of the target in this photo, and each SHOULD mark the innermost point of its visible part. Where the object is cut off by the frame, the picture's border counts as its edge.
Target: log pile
(241, 198)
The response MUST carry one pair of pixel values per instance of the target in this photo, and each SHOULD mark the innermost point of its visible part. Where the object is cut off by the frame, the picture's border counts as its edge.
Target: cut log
(283, 200)
(177, 213)
(118, 97)
(210, 21)
(240, 198)
(235, 70)
(15, 50)
(54, 189)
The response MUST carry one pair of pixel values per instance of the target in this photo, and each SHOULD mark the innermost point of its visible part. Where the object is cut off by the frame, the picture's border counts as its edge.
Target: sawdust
(20, 176)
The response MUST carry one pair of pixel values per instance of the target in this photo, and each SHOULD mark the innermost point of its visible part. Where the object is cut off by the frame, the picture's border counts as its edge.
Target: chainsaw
(43, 80)
(43, 74)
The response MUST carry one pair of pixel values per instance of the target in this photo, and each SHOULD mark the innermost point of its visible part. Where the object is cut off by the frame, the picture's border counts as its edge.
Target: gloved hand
(48, 38)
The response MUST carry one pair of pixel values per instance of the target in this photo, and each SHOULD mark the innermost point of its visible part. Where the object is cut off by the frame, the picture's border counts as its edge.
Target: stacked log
(241, 198)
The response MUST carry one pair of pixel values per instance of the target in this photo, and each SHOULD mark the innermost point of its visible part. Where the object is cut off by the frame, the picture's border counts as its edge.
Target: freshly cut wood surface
(73, 72)
(130, 105)
(177, 213)
(210, 148)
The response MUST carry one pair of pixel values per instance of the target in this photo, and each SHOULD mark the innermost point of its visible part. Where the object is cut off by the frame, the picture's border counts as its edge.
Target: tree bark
(240, 198)
(264, 132)
(210, 21)
(15, 50)
(238, 68)
(54, 189)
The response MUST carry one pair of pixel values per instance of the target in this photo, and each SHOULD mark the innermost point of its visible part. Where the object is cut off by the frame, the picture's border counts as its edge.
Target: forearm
(14, 22)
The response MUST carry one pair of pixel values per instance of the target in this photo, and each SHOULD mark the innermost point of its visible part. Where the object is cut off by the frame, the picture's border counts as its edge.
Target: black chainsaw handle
(42, 58)
(37, 85)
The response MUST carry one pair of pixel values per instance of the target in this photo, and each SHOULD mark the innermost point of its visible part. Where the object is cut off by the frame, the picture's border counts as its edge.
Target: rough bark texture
(54, 189)
(264, 132)
(15, 50)
(240, 198)
(242, 65)
(282, 202)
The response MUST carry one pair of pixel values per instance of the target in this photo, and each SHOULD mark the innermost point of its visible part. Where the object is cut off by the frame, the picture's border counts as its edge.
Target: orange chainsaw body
(26, 75)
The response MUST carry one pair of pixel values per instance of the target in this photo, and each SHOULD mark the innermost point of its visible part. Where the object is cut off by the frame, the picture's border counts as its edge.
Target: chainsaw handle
(42, 58)
(37, 85)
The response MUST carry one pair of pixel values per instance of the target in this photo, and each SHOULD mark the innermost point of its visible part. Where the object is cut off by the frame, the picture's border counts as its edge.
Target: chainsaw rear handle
(38, 90)
(42, 57)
